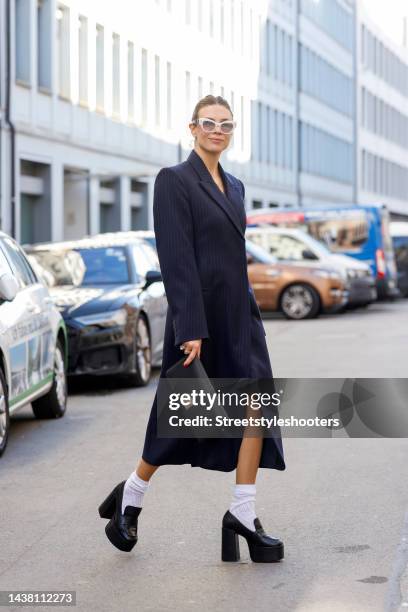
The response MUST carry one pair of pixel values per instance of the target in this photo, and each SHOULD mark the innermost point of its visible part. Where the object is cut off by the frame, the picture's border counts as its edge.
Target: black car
(109, 291)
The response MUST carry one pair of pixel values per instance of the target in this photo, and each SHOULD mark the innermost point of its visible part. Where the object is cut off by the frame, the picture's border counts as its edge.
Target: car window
(144, 259)
(18, 263)
(83, 266)
(259, 254)
(104, 265)
(152, 256)
(4, 264)
(286, 247)
(27, 264)
(256, 239)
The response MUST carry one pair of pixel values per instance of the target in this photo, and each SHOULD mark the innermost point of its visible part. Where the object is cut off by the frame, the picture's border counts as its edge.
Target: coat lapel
(229, 204)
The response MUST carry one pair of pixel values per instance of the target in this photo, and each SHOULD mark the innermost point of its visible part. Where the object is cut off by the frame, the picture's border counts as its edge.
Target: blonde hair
(207, 101)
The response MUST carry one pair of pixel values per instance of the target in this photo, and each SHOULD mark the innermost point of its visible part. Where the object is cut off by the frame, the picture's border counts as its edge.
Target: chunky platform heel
(107, 507)
(262, 547)
(121, 530)
(230, 545)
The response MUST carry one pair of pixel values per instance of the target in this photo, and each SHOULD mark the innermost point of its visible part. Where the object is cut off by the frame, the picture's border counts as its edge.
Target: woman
(199, 222)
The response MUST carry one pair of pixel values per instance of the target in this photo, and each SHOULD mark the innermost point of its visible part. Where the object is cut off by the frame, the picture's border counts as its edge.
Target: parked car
(399, 235)
(293, 245)
(33, 342)
(147, 235)
(110, 292)
(300, 290)
(361, 231)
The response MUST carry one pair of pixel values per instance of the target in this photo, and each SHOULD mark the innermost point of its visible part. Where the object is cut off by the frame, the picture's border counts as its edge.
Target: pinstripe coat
(200, 238)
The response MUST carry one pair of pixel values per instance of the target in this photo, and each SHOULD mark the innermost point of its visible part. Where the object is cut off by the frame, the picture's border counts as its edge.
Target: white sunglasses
(208, 125)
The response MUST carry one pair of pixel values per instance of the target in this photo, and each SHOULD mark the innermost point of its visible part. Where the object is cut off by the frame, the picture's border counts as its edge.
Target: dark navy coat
(200, 238)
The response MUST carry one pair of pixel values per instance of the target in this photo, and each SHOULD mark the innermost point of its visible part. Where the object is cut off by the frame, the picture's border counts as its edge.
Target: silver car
(33, 342)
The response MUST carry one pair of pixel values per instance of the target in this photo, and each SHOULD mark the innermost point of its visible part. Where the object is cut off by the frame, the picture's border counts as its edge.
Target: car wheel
(300, 301)
(143, 355)
(53, 405)
(4, 413)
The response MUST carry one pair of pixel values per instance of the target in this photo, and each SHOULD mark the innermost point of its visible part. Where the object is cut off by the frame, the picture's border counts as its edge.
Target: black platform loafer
(262, 547)
(122, 528)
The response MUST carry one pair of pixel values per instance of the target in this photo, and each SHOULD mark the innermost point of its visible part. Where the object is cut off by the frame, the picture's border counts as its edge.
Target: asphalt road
(340, 506)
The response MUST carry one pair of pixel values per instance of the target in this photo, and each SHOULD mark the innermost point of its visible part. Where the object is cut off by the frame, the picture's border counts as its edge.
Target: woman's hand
(193, 348)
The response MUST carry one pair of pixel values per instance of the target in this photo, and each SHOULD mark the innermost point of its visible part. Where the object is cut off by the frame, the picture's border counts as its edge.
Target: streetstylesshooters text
(209, 401)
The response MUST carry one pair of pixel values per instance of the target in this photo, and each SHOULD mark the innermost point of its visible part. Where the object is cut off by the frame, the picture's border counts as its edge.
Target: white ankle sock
(133, 491)
(243, 504)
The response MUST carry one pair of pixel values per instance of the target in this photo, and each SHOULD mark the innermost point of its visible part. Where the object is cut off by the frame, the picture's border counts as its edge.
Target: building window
(83, 59)
(211, 17)
(363, 103)
(131, 79)
(241, 29)
(290, 143)
(63, 51)
(116, 74)
(43, 44)
(144, 86)
(187, 92)
(268, 134)
(332, 17)
(232, 15)
(157, 89)
(260, 130)
(222, 25)
(188, 12)
(251, 33)
(275, 51)
(100, 68)
(169, 96)
(22, 38)
(242, 123)
(274, 140)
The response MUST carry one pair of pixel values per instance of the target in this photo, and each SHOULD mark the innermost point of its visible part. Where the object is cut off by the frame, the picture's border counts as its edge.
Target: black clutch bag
(183, 377)
(194, 370)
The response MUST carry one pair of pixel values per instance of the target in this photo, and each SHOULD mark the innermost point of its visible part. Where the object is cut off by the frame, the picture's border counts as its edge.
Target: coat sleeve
(173, 226)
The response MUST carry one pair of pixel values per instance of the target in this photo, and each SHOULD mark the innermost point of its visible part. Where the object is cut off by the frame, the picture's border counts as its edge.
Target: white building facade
(100, 95)
(382, 118)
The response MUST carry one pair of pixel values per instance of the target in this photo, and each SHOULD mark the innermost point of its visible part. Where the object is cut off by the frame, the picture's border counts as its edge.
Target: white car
(33, 342)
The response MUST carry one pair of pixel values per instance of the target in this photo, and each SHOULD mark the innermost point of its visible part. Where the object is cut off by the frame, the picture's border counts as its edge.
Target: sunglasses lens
(227, 127)
(208, 125)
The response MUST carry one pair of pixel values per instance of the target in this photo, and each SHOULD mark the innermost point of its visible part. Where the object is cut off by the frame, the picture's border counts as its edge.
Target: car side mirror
(152, 276)
(8, 287)
(308, 254)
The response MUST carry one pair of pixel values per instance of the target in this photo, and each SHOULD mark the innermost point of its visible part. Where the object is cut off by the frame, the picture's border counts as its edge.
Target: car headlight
(327, 274)
(110, 318)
